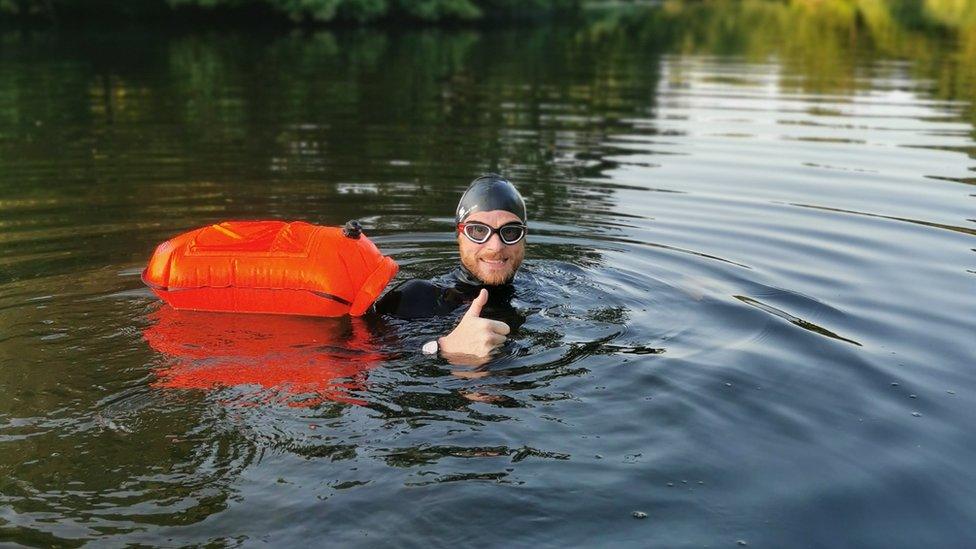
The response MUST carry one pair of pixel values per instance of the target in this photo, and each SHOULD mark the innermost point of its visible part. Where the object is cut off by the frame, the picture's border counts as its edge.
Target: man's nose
(495, 242)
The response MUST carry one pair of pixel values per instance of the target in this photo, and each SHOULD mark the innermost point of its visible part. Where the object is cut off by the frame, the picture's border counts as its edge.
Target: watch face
(430, 347)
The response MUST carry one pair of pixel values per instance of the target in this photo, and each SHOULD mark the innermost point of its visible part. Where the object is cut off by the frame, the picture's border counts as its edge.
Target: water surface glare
(747, 308)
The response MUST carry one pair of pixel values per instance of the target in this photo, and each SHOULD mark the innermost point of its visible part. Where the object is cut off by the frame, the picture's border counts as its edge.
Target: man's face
(493, 262)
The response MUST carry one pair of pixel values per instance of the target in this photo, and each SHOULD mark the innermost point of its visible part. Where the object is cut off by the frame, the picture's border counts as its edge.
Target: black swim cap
(490, 192)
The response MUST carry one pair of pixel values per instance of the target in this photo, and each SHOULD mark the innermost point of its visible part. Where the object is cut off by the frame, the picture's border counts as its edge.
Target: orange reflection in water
(300, 361)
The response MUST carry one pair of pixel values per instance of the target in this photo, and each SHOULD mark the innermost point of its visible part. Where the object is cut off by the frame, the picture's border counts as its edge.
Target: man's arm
(414, 298)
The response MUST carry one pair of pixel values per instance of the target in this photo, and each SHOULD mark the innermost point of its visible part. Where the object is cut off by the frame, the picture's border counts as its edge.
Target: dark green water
(748, 302)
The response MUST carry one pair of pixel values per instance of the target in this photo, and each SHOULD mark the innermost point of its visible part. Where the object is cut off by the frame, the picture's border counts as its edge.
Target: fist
(474, 335)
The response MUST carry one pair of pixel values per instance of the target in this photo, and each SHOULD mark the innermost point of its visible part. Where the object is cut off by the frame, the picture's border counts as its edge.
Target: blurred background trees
(901, 13)
(298, 11)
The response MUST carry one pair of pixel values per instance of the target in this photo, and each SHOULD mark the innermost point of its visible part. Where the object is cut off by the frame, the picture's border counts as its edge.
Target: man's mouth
(494, 263)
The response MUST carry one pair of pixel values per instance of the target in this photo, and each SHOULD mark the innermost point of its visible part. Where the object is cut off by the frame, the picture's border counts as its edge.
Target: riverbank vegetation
(286, 11)
(901, 13)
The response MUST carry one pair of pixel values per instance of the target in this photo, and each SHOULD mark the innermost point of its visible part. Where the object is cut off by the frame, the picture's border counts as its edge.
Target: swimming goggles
(479, 233)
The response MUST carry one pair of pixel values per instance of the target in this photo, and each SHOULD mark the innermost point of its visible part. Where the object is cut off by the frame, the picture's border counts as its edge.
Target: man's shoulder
(417, 287)
(418, 298)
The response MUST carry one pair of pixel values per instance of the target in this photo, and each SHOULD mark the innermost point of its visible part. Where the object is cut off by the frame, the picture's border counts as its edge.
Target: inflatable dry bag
(270, 267)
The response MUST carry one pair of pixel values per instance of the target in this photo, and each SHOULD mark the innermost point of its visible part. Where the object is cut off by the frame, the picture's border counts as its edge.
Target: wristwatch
(430, 348)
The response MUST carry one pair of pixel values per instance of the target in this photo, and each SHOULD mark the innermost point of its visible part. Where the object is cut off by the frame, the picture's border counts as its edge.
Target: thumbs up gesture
(475, 335)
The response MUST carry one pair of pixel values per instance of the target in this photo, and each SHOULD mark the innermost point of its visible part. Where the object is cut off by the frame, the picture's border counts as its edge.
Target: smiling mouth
(493, 263)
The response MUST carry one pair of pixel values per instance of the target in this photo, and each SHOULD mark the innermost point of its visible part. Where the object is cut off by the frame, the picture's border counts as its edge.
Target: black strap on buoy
(352, 229)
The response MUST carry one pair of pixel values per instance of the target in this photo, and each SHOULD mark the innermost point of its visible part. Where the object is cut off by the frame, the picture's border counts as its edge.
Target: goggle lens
(510, 234)
(478, 233)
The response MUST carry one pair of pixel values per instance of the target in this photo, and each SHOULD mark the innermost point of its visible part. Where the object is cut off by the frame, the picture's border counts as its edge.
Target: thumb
(478, 304)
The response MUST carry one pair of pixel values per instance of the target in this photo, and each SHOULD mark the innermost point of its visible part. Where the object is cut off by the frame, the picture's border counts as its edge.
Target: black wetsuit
(417, 298)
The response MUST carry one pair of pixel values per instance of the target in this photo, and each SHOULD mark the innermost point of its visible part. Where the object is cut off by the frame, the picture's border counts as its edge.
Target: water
(747, 309)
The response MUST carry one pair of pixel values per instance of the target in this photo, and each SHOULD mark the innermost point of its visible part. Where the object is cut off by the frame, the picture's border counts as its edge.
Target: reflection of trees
(827, 44)
(181, 129)
(421, 112)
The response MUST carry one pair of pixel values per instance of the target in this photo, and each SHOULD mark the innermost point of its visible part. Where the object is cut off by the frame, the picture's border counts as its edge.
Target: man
(490, 222)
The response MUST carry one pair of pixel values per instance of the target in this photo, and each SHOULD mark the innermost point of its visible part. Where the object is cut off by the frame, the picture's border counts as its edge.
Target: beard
(484, 267)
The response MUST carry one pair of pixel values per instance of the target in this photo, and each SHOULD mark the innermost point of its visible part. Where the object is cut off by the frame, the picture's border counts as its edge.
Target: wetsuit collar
(468, 286)
(463, 276)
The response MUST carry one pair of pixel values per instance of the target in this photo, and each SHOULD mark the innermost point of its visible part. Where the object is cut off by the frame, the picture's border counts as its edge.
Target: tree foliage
(304, 11)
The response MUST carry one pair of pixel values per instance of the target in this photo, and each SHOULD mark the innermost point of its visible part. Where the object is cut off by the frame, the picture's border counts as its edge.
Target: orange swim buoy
(270, 267)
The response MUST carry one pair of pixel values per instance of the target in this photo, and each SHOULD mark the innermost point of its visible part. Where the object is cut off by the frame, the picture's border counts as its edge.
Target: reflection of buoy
(301, 361)
(270, 267)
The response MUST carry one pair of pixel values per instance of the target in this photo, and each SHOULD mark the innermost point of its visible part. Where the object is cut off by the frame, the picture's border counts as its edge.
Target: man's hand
(474, 335)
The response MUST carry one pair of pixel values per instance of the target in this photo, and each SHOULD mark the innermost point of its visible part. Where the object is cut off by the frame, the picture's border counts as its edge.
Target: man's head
(494, 208)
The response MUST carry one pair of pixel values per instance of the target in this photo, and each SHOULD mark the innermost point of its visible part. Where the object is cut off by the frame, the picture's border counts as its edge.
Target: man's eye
(477, 231)
(510, 233)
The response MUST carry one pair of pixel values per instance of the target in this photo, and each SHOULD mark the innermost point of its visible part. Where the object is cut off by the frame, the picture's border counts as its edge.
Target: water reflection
(299, 361)
(750, 258)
